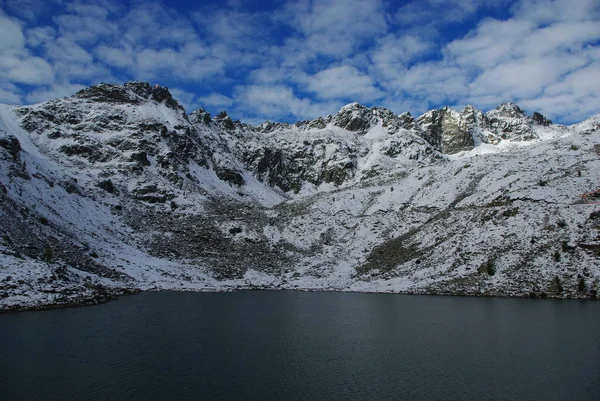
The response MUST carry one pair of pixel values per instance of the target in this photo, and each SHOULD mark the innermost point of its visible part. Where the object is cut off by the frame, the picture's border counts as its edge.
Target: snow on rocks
(127, 192)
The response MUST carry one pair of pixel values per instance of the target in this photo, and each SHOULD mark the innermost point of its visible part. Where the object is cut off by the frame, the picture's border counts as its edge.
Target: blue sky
(294, 60)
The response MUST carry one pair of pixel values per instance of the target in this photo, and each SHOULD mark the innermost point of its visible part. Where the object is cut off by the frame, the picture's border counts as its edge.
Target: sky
(300, 59)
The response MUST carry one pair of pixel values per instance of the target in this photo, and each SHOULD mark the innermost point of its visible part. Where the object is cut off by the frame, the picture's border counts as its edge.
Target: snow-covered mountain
(116, 189)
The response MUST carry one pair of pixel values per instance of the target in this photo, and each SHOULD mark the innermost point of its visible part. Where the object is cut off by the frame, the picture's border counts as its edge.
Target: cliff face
(117, 189)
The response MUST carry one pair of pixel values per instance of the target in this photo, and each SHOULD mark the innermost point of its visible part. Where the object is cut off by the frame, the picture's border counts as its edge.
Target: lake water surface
(287, 345)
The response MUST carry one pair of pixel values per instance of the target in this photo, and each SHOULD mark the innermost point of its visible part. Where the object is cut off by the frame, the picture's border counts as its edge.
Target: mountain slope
(117, 189)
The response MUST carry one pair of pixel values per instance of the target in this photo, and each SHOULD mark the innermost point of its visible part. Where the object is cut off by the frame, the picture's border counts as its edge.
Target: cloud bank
(305, 58)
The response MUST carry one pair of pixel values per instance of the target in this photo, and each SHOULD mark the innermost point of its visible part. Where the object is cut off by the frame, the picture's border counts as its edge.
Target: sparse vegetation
(556, 286)
(47, 254)
(488, 267)
(511, 212)
(565, 247)
(581, 285)
(556, 256)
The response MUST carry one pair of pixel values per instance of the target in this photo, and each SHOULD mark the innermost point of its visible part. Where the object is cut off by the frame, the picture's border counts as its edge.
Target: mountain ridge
(117, 189)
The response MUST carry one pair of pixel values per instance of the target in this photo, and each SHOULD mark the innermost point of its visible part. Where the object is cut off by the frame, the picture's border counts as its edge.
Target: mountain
(117, 189)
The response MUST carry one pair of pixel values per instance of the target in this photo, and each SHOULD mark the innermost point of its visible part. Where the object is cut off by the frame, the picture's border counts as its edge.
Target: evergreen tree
(47, 255)
(581, 286)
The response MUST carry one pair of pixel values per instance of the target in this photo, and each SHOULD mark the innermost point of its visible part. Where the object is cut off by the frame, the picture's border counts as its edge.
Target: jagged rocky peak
(200, 116)
(317, 123)
(407, 121)
(511, 110)
(540, 119)
(447, 130)
(358, 118)
(225, 121)
(271, 126)
(509, 121)
(133, 92)
(353, 117)
(474, 116)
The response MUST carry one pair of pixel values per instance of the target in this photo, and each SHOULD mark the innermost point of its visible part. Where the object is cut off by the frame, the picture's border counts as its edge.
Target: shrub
(556, 286)
(511, 212)
(565, 247)
(556, 256)
(47, 254)
(488, 267)
(581, 286)
(574, 147)
(542, 183)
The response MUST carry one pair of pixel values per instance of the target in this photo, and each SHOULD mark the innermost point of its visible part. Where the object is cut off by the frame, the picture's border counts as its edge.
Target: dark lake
(287, 345)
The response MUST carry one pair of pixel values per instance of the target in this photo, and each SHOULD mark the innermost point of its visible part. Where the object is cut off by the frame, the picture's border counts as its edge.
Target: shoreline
(107, 297)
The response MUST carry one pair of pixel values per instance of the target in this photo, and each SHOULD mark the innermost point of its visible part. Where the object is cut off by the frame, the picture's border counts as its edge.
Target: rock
(511, 110)
(353, 117)
(86, 151)
(108, 186)
(446, 130)
(230, 175)
(509, 121)
(133, 92)
(141, 158)
(540, 119)
(407, 121)
(225, 121)
(12, 145)
(200, 116)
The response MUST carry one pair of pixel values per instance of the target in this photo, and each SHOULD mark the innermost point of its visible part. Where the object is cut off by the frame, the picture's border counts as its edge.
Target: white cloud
(17, 64)
(86, 24)
(26, 70)
(429, 17)
(54, 91)
(40, 36)
(277, 100)
(216, 100)
(155, 26)
(306, 58)
(11, 34)
(120, 57)
(552, 11)
(334, 28)
(68, 51)
(9, 93)
(170, 63)
(393, 54)
(29, 10)
(342, 82)
(538, 58)
(491, 43)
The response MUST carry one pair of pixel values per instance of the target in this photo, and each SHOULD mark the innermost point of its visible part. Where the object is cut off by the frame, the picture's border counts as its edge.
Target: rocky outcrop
(509, 121)
(447, 130)
(540, 119)
(10, 144)
(134, 92)
(353, 117)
